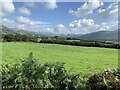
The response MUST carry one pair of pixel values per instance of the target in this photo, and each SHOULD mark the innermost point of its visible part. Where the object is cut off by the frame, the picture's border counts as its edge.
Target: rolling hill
(101, 35)
(6, 30)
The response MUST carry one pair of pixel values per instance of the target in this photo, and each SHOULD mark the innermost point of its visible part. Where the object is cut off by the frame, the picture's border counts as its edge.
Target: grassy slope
(77, 59)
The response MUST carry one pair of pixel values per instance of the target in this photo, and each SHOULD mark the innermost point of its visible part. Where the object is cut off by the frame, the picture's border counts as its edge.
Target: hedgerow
(30, 74)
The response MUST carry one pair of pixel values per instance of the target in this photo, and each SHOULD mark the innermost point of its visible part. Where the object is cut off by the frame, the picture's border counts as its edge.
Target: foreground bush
(30, 74)
(108, 80)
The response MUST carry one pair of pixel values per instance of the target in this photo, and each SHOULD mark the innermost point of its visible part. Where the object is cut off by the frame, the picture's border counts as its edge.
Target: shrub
(30, 74)
(107, 80)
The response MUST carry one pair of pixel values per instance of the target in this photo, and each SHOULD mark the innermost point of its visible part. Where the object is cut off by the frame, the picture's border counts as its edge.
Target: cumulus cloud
(84, 26)
(27, 21)
(25, 11)
(111, 10)
(61, 29)
(81, 22)
(48, 30)
(86, 8)
(50, 4)
(6, 7)
(60, 26)
(24, 20)
(81, 26)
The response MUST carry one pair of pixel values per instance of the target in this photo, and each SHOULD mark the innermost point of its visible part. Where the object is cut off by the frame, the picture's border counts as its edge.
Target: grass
(87, 60)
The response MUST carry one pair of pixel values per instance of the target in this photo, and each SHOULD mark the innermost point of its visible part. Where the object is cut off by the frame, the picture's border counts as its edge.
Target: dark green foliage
(19, 38)
(108, 80)
(30, 74)
(9, 37)
(80, 43)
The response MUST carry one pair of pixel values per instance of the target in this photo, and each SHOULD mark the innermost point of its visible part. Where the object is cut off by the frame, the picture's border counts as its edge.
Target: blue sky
(61, 17)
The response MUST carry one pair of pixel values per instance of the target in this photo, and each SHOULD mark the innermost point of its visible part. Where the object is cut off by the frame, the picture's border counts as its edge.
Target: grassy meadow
(76, 58)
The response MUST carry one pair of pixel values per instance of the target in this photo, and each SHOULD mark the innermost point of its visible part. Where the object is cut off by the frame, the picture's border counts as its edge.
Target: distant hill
(6, 30)
(101, 35)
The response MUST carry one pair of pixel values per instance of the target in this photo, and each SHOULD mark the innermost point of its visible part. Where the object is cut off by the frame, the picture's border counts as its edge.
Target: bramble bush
(30, 74)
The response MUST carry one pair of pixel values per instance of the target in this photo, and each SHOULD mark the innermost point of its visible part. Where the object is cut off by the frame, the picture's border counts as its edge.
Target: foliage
(80, 43)
(30, 74)
(108, 80)
(19, 38)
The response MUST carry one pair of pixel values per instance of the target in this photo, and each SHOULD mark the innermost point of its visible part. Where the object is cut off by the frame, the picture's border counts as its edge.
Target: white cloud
(25, 11)
(27, 21)
(24, 23)
(50, 4)
(60, 29)
(28, 24)
(6, 7)
(21, 26)
(60, 26)
(86, 8)
(48, 30)
(24, 20)
(87, 22)
(83, 26)
(81, 22)
(111, 10)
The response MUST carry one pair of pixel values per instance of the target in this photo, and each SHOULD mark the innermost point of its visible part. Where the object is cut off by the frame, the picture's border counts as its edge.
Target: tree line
(18, 38)
(57, 40)
(80, 43)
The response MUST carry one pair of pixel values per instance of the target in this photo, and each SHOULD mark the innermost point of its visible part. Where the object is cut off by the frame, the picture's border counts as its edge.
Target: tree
(9, 37)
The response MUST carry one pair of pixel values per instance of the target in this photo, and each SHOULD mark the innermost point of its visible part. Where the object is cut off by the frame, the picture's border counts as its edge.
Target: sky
(60, 17)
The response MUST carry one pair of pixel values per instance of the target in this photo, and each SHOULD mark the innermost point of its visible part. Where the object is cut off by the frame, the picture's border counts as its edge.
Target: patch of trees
(80, 43)
(18, 38)
(30, 75)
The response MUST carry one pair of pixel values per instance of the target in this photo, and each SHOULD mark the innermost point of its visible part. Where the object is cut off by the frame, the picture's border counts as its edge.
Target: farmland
(76, 58)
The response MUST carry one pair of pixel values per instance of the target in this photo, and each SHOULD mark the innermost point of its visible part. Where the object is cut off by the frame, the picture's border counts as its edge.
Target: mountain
(101, 35)
(6, 30)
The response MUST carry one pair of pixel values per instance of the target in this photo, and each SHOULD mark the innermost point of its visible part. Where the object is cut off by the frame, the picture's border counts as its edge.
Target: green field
(76, 58)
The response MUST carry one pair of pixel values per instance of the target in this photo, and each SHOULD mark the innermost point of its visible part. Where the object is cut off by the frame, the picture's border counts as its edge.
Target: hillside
(101, 35)
(6, 30)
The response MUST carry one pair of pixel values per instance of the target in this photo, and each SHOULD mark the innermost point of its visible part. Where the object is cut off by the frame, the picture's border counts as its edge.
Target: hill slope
(101, 35)
(6, 30)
